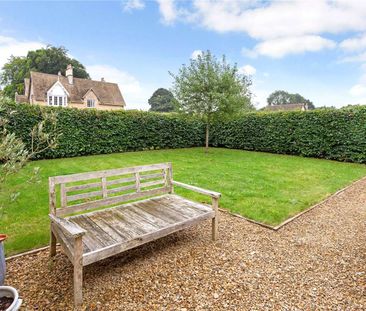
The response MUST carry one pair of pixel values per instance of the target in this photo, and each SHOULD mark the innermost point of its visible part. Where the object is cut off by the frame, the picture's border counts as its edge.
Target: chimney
(102, 80)
(69, 74)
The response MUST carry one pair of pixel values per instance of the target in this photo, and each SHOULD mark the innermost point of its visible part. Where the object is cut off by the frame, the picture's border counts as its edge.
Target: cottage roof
(108, 93)
(285, 107)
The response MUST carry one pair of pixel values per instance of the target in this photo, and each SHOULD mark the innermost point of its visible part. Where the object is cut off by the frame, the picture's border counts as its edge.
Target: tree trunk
(206, 148)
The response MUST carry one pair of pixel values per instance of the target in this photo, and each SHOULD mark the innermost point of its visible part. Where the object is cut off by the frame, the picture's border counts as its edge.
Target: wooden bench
(92, 236)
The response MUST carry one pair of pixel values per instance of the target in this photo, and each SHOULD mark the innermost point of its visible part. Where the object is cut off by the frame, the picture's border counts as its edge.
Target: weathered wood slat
(109, 201)
(162, 211)
(151, 183)
(115, 249)
(104, 187)
(133, 224)
(197, 189)
(106, 227)
(108, 173)
(151, 176)
(122, 226)
(63, 196)
(83, 186)
(120, 181)
(65, 241)
(85, 195)
(120, 189)
(94, 231)
(67, 226)
(158, 222)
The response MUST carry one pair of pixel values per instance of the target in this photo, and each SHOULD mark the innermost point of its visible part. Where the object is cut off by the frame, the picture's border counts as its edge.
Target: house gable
(57, 95)
(91, 99)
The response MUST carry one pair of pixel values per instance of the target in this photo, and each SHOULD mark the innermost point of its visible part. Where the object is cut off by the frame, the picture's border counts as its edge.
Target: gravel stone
(315, 262)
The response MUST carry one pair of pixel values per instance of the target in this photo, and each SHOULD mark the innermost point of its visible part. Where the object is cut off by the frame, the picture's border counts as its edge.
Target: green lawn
(265, 187)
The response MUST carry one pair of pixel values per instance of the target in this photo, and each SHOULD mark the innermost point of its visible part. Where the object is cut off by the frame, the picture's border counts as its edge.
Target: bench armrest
(72, 229)
(210, 193)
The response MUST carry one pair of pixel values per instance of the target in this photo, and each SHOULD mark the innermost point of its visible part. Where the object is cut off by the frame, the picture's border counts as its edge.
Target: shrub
(330, 134)
(86, 132)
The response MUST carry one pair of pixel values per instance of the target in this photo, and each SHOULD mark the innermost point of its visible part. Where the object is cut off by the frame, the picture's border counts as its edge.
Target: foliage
(283, 97)
(211, 89)
(338, 134)
(14, 153)
(48, 60)
(162, 100)
(265, 187)
(92, 131)
(330, 134)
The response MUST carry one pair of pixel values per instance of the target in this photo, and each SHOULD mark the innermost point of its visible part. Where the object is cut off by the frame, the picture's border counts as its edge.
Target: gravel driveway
(316, 262)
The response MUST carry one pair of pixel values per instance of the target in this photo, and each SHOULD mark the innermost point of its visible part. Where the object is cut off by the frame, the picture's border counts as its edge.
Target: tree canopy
(48, 60)
(162, 100)
(210, 89)
(282, 98)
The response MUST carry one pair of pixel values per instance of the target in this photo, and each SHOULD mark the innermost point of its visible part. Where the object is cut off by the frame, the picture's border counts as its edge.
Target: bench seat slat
(131, 224)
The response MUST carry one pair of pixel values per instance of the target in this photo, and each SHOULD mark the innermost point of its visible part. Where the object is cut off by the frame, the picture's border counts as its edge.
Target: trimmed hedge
(86, 132)
(330, 134)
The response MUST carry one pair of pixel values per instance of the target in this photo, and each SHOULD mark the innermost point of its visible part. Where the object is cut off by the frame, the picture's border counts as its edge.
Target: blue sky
(315, 48)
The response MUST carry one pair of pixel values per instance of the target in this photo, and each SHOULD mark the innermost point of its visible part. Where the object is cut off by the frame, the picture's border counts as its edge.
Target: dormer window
(90, 103)
(57, 95)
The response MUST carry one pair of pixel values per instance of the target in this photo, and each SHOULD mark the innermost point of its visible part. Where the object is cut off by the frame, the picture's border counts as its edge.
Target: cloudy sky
(315, 48)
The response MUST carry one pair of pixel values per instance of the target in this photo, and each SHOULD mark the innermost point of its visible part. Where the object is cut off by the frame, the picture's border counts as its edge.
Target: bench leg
(214, 228)
(78, 273)
(52, 245)
(215, 220)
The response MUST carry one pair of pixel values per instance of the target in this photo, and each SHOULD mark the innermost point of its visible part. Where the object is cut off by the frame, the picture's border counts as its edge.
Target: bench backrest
(84, 191)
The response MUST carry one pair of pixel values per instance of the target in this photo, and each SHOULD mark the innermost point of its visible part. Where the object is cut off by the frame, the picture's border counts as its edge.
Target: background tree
(211, 89)
(162, 100)
(283, 98)
(48, 60)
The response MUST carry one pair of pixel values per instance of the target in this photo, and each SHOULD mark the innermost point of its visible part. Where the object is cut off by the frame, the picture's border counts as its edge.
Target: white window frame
(57, 99)
(90, 103)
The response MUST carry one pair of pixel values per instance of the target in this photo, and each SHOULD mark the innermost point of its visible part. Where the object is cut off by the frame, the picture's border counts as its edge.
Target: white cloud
(280, 47)
(11, 46)
(130, 5)
(247, 70)
(167, 10)
(360, 57)
(196, 53)
(134, 94)
(354, 44)
(275, 24)
(358, 90)
(268, 20)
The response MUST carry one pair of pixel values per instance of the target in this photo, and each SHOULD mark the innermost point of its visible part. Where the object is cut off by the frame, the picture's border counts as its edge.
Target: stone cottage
(66, 91)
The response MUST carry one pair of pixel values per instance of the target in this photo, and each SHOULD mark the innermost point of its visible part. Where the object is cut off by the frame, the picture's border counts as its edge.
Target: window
(90, 103)
(57, 101)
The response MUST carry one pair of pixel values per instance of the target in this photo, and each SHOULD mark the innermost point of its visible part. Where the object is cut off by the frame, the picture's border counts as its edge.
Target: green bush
(330, 134)
(86, 132)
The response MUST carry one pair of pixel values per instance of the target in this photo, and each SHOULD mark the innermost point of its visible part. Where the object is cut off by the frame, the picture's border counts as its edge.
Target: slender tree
(211, 89)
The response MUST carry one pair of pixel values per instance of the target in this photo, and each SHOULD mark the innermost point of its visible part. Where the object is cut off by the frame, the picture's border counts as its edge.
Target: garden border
(291, 219)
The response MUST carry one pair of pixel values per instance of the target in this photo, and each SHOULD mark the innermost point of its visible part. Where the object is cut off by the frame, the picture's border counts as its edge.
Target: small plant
(13, 151)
